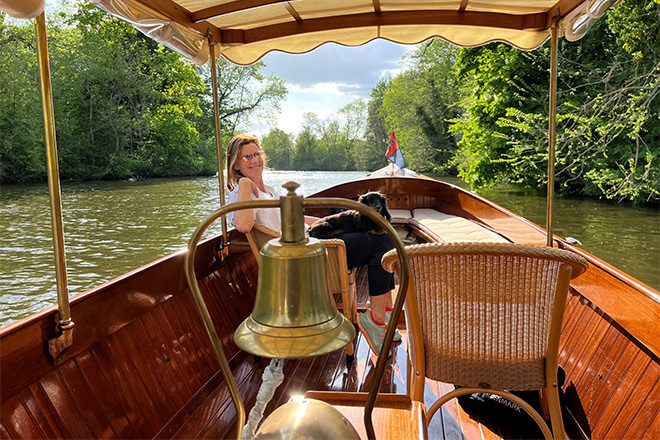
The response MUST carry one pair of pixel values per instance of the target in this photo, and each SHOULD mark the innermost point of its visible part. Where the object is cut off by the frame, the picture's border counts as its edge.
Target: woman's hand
(245, 187)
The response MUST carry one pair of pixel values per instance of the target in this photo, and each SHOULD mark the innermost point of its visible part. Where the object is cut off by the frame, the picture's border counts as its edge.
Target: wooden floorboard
(332, 372)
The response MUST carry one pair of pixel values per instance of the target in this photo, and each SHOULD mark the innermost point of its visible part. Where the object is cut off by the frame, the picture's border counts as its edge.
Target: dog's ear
(385, 212)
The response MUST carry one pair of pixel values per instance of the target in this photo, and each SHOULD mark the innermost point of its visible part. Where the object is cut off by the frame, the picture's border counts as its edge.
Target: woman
(245, 166)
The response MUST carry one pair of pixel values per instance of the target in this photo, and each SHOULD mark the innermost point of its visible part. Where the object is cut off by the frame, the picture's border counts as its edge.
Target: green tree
(608, 136)
(22, 151)
(496, 81)
(244, 94)
(418, 104)
(124, 105)
(307, 153)
(279, 149)
(370, 154)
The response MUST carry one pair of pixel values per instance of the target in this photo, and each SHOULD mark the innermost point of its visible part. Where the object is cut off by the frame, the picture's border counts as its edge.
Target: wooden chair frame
(477, 274)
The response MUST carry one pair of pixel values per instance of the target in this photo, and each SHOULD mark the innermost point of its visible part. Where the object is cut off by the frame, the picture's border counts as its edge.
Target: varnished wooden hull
(141, 365)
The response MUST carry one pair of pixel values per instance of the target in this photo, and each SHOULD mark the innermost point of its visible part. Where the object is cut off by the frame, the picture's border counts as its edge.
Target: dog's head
(377, 201)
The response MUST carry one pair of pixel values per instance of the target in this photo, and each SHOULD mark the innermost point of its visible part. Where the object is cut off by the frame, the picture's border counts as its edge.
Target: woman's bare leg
(378, 305)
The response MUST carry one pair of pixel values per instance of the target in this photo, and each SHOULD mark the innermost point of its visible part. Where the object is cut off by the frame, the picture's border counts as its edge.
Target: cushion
(452, 229)
(398, 214)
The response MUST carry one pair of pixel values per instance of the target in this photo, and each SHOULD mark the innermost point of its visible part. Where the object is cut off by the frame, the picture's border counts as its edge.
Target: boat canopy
(23, 9)
(246, 30)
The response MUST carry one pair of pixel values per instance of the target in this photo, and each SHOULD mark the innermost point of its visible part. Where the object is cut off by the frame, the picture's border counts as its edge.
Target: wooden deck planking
(122, 391)
(590, 382)
(14, 410)
(639, 408)
(571, 339)
(592, 354)
(64, 405)
(619, 399)
(647, 422)
(130, 370)
(158, 331)
(82, 395)
(99, 387)
(607, 381)
(213, 416)
(42, 413)
(4, 434)
(188, 337)
(154, 374)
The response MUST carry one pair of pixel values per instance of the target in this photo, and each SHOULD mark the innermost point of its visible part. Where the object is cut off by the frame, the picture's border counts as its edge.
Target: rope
(272, 378)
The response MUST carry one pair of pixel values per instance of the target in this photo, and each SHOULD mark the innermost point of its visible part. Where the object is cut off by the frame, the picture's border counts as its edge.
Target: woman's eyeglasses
(248, 157)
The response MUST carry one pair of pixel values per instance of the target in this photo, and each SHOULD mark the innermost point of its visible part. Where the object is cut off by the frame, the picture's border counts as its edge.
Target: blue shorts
(363, 248)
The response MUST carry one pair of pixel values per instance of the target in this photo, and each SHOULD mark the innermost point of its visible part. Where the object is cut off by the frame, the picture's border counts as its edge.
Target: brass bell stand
(307, 322)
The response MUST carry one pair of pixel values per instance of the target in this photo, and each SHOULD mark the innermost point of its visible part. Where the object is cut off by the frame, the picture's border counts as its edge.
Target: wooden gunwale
(141, 365)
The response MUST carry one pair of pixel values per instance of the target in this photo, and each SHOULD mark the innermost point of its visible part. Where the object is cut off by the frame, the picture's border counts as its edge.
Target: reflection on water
(114, 227)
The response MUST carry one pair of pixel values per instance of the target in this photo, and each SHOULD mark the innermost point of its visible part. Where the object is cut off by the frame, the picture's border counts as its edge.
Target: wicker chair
(488, 317)
(340, 280)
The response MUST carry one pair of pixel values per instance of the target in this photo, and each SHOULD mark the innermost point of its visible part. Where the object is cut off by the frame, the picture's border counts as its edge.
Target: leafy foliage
(608, 136)
(125, 106)
(279, 149)
(418, 104)
(22, 154)
(333, 144)
(128, 107)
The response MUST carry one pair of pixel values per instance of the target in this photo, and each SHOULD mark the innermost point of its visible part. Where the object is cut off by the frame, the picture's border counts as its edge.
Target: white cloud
(390, 73)
(326, 79)
(334, 88)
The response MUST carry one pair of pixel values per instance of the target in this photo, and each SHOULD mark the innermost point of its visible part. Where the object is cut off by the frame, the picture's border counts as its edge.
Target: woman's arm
(244, 219)
(309, 220)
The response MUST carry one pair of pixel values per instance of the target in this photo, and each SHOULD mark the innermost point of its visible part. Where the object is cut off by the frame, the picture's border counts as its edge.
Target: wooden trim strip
(228, 8)
(390, 18)
(463, 5)
(292, 11)
(178, 14)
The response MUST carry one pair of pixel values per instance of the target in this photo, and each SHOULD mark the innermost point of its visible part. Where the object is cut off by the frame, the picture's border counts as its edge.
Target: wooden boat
(140, 365)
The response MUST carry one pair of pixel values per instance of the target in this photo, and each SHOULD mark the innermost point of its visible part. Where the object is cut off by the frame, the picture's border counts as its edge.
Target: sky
(325, 79)
(328, 78)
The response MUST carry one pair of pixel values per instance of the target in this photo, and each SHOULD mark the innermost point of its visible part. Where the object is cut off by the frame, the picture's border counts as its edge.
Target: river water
(114, 227)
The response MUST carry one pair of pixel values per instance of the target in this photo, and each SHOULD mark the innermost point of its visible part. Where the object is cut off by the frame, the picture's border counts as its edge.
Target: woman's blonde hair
(233, 154)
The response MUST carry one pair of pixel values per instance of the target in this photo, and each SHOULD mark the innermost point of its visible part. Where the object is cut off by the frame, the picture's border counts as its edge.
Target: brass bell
(302, 418)
(293, 314)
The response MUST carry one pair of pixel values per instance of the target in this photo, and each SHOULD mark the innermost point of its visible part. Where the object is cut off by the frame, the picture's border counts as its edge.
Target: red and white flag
(394, 153)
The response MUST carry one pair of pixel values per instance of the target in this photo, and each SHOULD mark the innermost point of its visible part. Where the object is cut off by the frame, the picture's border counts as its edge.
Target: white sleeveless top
(269, 217)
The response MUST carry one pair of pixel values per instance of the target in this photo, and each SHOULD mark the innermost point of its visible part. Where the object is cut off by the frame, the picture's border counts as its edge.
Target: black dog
(334, 226)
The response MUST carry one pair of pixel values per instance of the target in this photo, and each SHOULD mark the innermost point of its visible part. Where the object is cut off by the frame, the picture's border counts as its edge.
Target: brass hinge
(60, 343)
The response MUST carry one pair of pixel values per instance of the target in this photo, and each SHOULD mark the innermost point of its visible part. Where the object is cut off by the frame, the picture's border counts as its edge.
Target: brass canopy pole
(65, 325)
(218, 135)
(552, 116)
